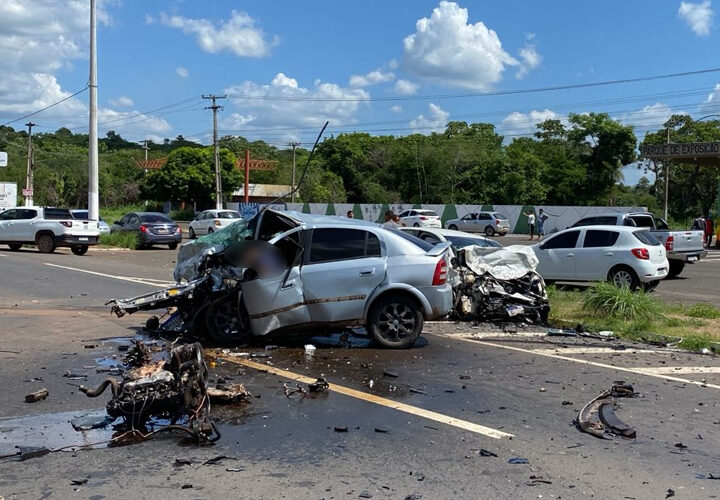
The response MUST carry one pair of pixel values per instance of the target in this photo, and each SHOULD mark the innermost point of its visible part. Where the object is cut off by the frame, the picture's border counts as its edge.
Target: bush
(605, 299)
(184, 215)
(122, 239)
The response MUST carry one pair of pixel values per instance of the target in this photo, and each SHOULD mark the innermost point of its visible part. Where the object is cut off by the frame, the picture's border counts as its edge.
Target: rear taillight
(143, 228)
(641, 253)
(422, 217)
(670, 243)
(440, 275)
(66, 223)
(216, 222)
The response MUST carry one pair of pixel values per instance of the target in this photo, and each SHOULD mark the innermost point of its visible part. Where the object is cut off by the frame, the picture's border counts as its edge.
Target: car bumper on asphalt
(440, 298)
(160, 239)
(688, 256)
(653, 273)
(66, 240)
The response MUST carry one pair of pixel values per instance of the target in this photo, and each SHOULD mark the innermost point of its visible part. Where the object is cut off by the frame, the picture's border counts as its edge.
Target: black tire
(624, 275)
(152, 324)
(676, 267)
(453, 227)
(15, 246)
(650, 285)
(191, 233)
(173, 245)
(45, 243)
(395, 321)
(489, 231)
(210, 230)
(79, 249)
(226, 324)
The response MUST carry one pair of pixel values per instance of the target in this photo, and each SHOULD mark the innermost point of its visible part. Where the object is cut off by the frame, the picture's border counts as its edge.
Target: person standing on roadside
(541, 218)
(531, 223)
(709, 230)
(391, 220)
(350, 214)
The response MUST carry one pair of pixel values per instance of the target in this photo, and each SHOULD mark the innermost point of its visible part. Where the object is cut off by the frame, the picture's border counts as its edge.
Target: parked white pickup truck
(48, 228)
(681, 246)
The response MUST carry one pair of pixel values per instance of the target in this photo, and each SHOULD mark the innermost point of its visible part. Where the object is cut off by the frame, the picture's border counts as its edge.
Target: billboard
(680, 150)
(8, 195)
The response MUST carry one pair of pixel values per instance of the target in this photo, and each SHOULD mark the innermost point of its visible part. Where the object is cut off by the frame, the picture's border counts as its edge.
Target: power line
(46, 107)
(479, 94)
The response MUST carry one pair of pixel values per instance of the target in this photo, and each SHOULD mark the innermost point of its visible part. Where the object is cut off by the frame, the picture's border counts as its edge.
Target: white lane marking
(371, 398)
(3, 255)
(638, 371)
(598, 350)
(122, 278)
(679, 369)
(496, 335)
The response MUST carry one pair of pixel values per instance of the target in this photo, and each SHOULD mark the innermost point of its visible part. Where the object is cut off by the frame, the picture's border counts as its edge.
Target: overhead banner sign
(680, 150)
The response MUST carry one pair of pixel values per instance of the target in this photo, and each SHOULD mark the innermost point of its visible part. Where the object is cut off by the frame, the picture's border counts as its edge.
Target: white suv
(48, 228)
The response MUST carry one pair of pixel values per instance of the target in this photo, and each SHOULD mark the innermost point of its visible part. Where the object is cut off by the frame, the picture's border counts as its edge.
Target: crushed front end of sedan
(288, 271)
(498, 285)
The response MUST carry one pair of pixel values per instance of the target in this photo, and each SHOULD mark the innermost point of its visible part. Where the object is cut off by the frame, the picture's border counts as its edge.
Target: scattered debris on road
(37, 396)
(499, 285)
(598, 418)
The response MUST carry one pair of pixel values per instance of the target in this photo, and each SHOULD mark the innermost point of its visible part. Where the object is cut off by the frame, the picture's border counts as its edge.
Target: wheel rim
(225, 321)
(622, 278)
(396, 322)
(453, 227)
(489, 231)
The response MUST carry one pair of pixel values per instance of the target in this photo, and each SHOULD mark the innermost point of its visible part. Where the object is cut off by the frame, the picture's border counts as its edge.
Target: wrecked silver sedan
(287, 271)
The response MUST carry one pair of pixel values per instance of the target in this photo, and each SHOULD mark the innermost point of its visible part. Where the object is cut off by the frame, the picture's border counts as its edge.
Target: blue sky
(384, 67)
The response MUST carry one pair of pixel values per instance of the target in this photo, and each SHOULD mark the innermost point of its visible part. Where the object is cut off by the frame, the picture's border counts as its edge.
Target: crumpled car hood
(507, 263)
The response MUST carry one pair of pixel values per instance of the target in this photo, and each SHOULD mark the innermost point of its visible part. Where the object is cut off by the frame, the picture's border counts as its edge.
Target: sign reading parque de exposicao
(680, 150)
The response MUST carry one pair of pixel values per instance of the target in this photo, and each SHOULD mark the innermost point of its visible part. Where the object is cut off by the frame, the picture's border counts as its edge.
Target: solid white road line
(142, 281)
(597, 350)
(544, 353)
(371, 398)
(681, 370)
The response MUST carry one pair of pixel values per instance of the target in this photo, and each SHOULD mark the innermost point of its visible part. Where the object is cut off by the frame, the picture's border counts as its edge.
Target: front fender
(401, 287)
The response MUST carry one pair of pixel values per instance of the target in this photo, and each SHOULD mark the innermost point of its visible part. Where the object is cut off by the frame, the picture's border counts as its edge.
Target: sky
(400, 67)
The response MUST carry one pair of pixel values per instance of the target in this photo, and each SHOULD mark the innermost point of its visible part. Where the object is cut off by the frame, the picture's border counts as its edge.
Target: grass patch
(122, 239)
(184, 215)
(621, 302)
(635, 316)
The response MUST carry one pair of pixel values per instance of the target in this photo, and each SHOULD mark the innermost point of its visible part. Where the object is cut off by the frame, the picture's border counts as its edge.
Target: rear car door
(596, 256)
(278, 301)
(557, 256)
(341, 270)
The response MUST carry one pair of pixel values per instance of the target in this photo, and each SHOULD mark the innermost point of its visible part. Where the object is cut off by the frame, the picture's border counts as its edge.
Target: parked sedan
(457, 239)
(83, 215)
(210, 221)
(623, 255)
(420, 218)
(490, 223)
(153, 228)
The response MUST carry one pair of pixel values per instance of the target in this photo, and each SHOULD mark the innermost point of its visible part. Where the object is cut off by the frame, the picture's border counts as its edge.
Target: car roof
(312, 220)
(443, 232)
(607, 227)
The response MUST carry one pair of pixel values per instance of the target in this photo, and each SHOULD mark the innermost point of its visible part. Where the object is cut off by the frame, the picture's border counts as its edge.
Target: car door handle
(368, 272)
(609, 254)
(571, 255)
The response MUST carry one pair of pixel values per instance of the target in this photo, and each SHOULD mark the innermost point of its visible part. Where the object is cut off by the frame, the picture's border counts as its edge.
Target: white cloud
(712, 103)
(448, 50)
(405, 87)
(182, 72)
(524, 124)
(393, 64)
(396, 109)
(434, 122)
(284, 103)
(372, 78)
(651, 116)
(530, 60)
(121, 102)
(698, 16)
(149, 19)
(238, 35)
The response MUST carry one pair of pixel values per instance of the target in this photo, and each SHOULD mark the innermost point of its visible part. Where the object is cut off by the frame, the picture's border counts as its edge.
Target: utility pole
(30, 164)
(667, 175)
(218, 180)
(93, 180)
(292, 196)
(145, 147)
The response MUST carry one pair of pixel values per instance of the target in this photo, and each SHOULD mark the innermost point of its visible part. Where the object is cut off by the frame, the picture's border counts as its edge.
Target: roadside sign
(3, 159)
(8, 195)
(27, 192)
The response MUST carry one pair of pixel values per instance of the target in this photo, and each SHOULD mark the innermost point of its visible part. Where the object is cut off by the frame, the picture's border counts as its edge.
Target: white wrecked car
(282, 271)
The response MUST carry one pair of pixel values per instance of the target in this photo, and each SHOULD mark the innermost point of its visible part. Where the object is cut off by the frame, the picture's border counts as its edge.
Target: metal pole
(93, 182)
(667, 176)
(292, 196)
(247, 175)
(29, 176)
(216, 151)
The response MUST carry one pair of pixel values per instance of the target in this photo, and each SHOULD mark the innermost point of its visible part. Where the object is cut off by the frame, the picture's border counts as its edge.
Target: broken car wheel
(79, 249)
(395, 321)
(223, 320)
(46, 243)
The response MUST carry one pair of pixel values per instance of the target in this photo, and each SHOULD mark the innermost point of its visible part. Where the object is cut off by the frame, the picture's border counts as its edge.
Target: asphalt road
(417, 429)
